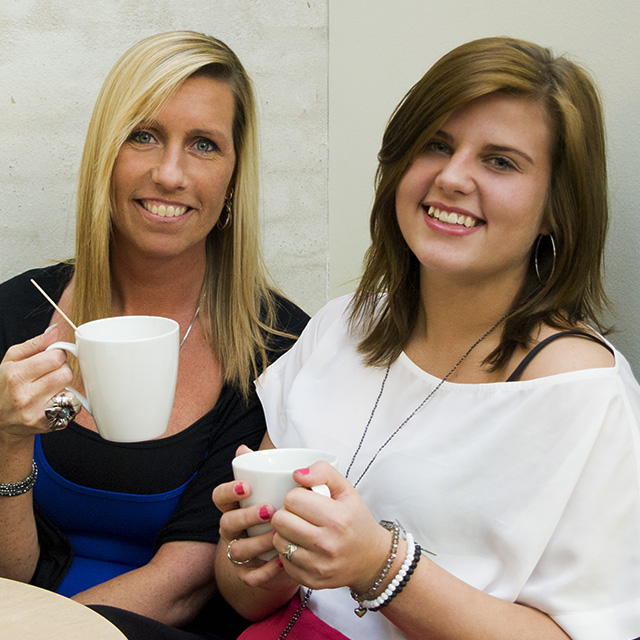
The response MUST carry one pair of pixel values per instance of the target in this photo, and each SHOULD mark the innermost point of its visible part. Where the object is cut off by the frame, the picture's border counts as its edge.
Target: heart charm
(360, 611)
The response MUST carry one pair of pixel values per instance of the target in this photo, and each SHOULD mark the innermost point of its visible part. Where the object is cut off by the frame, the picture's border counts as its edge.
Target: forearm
(437, 605)
(172, 588)
(19, 550)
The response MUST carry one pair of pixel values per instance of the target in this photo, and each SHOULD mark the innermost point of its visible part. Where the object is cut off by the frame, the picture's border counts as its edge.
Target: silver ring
(65, 407)
(230, 555)
(292, 547)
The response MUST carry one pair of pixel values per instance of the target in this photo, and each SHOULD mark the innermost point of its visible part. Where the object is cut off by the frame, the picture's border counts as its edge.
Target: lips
(165, 211)
(450, 217)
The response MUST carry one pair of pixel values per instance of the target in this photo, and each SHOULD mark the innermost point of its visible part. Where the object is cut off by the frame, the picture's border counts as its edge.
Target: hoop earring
(553, 264)
(228, 209)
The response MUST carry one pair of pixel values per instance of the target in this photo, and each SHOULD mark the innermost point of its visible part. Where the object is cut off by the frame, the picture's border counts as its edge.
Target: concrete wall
(378, 50)
(326, 72)
(53, 59)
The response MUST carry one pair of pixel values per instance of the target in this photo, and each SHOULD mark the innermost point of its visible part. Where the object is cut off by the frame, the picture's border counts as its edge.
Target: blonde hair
(237, 307)
(576, 209)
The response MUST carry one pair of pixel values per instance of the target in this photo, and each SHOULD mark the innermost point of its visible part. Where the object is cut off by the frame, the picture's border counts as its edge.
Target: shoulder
(19, 298)
(313, 333)
(24, 312)
(52, 279)
(559, 352)
(287, 324)
(290, 318)
(334, 312)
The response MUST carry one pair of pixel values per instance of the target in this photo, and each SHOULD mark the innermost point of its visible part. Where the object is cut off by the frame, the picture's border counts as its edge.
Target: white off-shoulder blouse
(528, 491)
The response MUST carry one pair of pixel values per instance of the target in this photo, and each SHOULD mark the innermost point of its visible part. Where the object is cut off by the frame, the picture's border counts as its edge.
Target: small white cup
(270, 474)
(129, 366)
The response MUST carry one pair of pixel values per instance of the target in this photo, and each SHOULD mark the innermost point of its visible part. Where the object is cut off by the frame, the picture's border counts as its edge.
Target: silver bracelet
(398, 582)
(396, 531)
(11, 489)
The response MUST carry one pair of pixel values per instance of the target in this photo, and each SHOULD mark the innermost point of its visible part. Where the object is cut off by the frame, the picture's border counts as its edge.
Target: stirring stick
(60, 311)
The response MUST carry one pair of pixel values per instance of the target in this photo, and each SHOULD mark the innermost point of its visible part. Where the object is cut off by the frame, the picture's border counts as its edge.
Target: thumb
(242, 449)
(322, 473)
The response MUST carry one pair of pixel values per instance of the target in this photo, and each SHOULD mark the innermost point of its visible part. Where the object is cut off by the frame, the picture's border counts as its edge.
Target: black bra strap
(529, 357)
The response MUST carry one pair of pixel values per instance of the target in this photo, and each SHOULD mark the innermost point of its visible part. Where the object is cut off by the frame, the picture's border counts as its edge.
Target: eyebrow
(494, 148)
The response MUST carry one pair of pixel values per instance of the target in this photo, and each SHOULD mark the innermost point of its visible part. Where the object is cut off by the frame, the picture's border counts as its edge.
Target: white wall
(53, 59)
(55, 54)
(378, 50)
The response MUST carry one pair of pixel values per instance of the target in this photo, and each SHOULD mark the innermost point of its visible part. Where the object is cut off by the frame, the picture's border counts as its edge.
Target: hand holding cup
(129, 367)
(269, 472)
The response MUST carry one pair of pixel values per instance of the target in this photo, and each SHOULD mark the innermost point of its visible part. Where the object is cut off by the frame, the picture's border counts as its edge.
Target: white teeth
(164, 211)
(451, 218)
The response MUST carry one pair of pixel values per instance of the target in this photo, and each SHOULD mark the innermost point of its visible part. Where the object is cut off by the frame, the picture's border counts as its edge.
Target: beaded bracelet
(11, 489)
(402, 582)
(395, 528)
(397, 584)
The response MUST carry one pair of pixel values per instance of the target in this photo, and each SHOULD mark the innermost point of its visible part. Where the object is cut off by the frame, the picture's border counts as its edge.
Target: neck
(453, 311)
(451, 319)
(151, 286)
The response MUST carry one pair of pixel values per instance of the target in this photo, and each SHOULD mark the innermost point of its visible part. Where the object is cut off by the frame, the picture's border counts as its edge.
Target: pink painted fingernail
(264, 513)
(303, 472)
(239, 489)
(279, 563)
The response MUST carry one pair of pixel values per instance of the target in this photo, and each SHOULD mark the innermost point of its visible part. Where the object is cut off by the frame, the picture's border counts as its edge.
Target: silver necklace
(188, 331)
(428, 397)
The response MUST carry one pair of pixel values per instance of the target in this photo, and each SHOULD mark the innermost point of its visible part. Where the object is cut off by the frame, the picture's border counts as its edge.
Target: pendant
(360, 611)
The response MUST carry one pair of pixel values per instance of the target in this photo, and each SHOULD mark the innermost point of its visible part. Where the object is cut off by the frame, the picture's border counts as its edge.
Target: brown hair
(576, 211)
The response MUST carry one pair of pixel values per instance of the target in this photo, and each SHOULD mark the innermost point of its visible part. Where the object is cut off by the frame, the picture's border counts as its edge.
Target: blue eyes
(205, 145)
(201, 145)
(141, 137)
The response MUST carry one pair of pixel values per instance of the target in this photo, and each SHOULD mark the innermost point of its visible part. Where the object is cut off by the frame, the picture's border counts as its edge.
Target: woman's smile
(164, 210)
(449, 217)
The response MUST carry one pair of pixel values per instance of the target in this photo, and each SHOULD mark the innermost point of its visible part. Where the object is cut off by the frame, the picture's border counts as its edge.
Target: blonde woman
(167, 224)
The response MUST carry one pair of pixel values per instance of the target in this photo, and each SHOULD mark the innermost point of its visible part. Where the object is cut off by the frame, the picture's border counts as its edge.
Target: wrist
(17, 445)
(392, 534)
(403, 558)
(16, 455)
(24, 485)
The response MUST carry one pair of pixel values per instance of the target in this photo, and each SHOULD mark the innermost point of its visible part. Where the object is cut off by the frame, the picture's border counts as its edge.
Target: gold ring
(230, 555)
(292, 547)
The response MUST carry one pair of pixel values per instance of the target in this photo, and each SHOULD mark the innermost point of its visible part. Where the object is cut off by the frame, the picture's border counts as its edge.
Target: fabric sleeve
(274, 384)
(56, 554)
(597, 538)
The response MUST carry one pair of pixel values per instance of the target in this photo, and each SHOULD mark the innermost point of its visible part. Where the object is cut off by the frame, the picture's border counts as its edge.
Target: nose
(170, 171)
(456, 175)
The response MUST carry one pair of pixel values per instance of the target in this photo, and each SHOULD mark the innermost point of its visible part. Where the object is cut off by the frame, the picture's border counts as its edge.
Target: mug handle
(322, 489)
(73, 350)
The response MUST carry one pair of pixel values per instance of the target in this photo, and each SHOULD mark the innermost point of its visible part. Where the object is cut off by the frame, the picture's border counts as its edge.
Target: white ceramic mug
(129, 367)
(269, 472)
